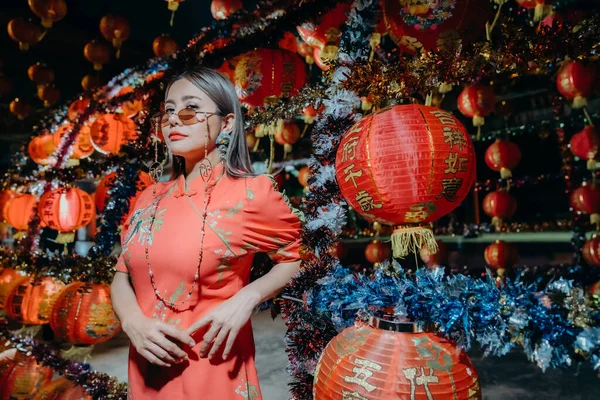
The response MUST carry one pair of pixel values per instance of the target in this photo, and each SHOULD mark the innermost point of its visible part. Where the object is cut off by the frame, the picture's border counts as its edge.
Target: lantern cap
(395, 326)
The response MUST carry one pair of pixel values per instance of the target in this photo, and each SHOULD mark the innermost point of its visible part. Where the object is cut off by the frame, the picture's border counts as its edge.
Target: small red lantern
(98, 53)
(339, 250)
(49, 94)
(437, 259)
(406, 165)
(265, 74)
(66, 210)
(303, 176)
(62, 389)
(499, 205)
(377, 251)
(538, 6)
(585, 145)
(503, 156)
(83, 314)
(24, 32)
(101, 197)
(500, 255)
(5, 196)
(9, 279)
(25, 378)
(477, 101)
(115, 29)
(575, 81)
(110, 131)
(20, 108)
(77, 108)
(287, 136)
(49, 11)
(383, 359)
(82, 148)
(586, 200)
(591, 251)
(40, 74)
(30, 302)
(222, 9)
(41, 148)
(164, 45)
(90, 82)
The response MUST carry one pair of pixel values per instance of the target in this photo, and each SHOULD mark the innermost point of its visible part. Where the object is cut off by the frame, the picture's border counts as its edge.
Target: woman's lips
(175, 136)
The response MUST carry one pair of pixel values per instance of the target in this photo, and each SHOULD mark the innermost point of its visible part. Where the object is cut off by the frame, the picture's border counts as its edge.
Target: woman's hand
(226, 320)
(156, 341)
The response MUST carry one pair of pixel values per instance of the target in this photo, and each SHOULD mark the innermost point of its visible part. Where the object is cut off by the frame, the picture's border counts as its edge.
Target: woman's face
(186, 135)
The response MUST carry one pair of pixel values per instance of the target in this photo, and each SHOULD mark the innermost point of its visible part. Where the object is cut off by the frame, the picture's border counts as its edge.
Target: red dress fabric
(245, 216)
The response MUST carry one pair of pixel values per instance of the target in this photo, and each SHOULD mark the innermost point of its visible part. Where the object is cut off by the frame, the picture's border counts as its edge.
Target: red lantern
(503, 156)
(377, 252)
(385, 360)
(173, 5)
(90, 82)
(40, 74)
(77, 108)
(115, 29)
(110, 131)
(499, 205)
(19, 211)
(9, 279)
(537, 5)
(303, 176)
(24, 32)
(49, 11)
(586, 200)
(25, 378)
(433, 25)
(30, 302)
(62, 389)
(477, 101)
(289, 134)
(83, 314)
(585, 145)
(575, 81)
(309, 114)
(50, 95)
(98, 53)
(101, 197)
(66, 210)
(406, 165)
(164, 45)
(266, 73)
(41, 148)
(222, 9)
(339, 250)
(591, 251)
(82, 148)
(5, 196)
(437, 259)
(500, 255)
(20, 108)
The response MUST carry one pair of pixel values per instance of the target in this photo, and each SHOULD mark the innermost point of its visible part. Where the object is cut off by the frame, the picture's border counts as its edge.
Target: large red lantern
(66, 210)
(222, 9)
(40, 74)
(25, 378)
(575, 81)
(24, 32)
(586, 200)
(406, 165)
(98, 53)
(110, 131)
(385, 360)
(115, 29)
(19, 211)
(83, 314)
(30, 302)
(164, 45)
(62, 389)
(49, 11)
(49, 94)
(499, 205)
(585, 145)
(41, 148)
(377, 252)
(9, 279)
(591, 251)
(432, 25)
(503, 156)
(267, 73)
(500, 256)
(101, 197)
(477, 101)
(437, 259)
(20, 108)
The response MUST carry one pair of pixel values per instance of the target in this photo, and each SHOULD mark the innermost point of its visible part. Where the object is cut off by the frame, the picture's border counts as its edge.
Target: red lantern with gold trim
(66, 210)
(406, 165)
(9, 279)
(115, 29)
(41, 148)
(5, 196)
(77, 108)
(385, 359)
(576, 82)
(585, 145)
(21, 109)
(164, 45)
(101, 197)
(268, 73)
(24, 32)
(83, 314)
(377, 252)
(222, 9)
(91, 82)
(503, 156)
(500, 256)
(427, 25)
(25, 378)
(49, 11)
(499, 205)
(586, 200)
(477, 101)
(30, 302)
(49, 94)
(287, 136)
(40, 74)
(437, 259)
(19, 211)
(62, 389)
(110, 131)
(98, 53)
(591, 251)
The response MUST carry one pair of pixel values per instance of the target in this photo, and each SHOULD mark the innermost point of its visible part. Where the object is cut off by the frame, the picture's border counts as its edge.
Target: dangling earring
(156, 169)
(223, 144)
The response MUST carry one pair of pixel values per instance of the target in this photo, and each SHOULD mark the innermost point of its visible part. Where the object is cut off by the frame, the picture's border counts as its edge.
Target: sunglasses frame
(163, 117)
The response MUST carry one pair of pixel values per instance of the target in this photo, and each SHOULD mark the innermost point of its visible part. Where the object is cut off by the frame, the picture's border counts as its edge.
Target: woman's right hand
(156, 341)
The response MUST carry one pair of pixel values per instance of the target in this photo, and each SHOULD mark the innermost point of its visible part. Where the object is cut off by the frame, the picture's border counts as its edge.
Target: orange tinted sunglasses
(187, 116)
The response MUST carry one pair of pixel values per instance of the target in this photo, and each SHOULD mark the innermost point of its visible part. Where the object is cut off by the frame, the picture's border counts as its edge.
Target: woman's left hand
(226, 320)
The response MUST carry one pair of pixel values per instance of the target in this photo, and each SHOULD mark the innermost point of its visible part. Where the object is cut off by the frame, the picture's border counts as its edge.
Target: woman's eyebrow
(189, 97)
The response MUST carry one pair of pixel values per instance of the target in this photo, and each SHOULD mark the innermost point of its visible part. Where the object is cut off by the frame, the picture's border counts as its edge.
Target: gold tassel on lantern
(80, 354)
(374, 42)
(65, 238)
(19, 235)
(172, 5)
(505, 173)
(29, 331)
(406, 240)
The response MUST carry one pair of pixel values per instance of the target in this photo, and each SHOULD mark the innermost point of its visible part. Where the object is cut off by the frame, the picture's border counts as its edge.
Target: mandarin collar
(197, 183)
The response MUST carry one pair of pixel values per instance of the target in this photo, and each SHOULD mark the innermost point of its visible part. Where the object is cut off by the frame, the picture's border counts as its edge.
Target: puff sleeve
(271, 224)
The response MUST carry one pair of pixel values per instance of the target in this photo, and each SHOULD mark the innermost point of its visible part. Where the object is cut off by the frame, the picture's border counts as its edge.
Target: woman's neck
(192, 166)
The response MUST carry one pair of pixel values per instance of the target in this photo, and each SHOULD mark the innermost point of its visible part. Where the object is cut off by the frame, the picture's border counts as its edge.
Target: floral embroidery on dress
(247, 390)
(140, 223)
(162, 309)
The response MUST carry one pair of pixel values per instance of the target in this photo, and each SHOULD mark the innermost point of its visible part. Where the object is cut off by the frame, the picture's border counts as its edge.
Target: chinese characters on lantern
(363, 370)
(287, 84)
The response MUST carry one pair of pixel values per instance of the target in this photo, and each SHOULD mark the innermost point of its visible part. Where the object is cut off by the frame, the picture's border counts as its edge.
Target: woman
(182, 292)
